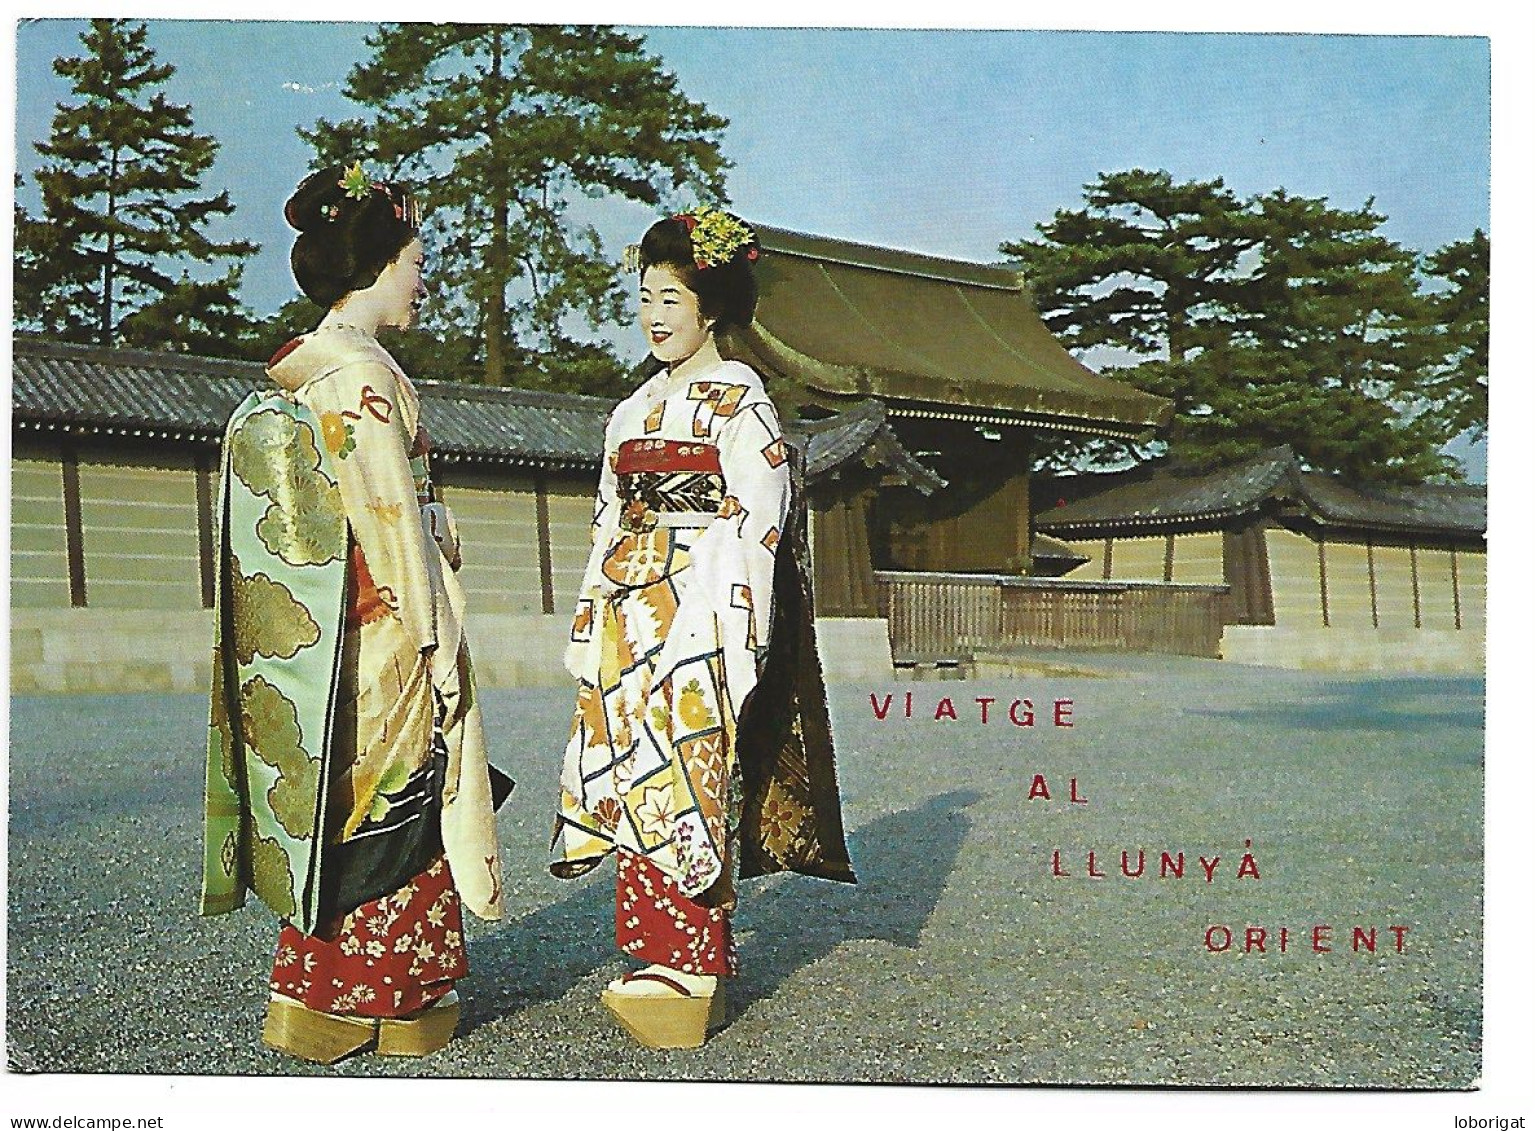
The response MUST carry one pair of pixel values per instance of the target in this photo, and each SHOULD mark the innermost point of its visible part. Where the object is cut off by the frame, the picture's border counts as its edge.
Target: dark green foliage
(1274, 320)
(1458, 385)
(500, 127)
(121, 210)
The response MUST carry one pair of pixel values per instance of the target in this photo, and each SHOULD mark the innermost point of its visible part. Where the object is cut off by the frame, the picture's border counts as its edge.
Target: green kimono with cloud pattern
(277, 650)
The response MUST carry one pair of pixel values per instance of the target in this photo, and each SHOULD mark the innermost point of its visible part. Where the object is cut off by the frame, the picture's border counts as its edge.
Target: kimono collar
(321, 352)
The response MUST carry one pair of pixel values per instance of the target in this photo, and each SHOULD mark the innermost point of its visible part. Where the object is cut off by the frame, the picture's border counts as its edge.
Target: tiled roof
(1459, 508)
(58, 386)
(861, 431)
(175, 397)
(930, 336)
(1160, 499)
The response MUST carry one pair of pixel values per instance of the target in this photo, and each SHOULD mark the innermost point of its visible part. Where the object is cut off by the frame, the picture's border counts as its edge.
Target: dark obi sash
(667, 478)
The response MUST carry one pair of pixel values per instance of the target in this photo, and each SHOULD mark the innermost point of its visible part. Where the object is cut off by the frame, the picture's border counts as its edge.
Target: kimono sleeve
(593, 584)
(735, 555)
(362, 415)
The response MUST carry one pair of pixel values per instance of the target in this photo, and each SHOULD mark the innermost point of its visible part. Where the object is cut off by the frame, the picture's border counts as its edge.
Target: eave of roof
(68, 389)
(1167, 501)
(931, 336)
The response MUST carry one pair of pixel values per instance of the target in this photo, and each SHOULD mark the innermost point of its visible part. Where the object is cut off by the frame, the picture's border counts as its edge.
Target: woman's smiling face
(674, 327)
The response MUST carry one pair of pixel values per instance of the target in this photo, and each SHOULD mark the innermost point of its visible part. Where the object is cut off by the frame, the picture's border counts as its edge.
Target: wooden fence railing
(952, 616)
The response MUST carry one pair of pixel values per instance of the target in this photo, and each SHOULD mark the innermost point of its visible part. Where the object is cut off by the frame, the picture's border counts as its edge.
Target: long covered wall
(112, 566)
(1321, 583)
(1301, 598)
(111, 527)
(1195, 559)
(112, 570)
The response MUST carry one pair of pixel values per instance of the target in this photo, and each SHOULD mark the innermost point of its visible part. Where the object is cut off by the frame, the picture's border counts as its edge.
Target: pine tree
(121, 209)
(499, 126)
(1336, 361)
(1458, 274)
(1149, 268)
(1274, 320)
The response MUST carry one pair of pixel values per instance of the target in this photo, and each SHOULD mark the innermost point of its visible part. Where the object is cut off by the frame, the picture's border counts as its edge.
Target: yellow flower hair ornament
(717, 236)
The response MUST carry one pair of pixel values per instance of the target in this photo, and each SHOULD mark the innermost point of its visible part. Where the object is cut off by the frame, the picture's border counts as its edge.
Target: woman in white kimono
(379, 822)
(671, 634)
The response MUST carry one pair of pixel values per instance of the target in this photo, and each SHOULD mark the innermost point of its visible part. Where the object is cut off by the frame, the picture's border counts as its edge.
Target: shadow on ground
(903, 861)
(1369, 704)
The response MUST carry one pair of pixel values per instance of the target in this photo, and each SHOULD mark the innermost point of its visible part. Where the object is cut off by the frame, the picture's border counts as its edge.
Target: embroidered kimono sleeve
(734, 556)
(593, 583)
(363, 414)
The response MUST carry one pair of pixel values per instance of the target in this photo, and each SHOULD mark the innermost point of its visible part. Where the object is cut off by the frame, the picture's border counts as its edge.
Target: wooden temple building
(967, 372)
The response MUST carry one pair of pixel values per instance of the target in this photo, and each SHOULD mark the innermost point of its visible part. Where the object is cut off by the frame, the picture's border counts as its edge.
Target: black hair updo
(727, 292)
(345, 242)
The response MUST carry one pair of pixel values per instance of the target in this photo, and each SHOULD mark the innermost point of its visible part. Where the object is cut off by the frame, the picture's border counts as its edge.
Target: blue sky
(946, 142)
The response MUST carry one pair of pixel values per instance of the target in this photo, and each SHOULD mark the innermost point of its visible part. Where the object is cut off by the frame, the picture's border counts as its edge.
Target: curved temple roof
(926, 333)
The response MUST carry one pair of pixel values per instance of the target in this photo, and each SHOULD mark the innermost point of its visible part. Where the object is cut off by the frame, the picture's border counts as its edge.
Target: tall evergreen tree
(1149, 268)
(1274, 320)
(121, 209)
(499, 126)
(1459, 298)
(1335, 363)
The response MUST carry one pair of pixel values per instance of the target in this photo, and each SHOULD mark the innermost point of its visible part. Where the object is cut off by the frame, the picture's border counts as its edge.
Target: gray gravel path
(958, 957)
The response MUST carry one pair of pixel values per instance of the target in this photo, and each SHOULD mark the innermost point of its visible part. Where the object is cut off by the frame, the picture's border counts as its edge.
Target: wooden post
(1369, 557)
(1167, 560)
(1417, 600)
(545, 555)
(1455, 587)
(1108, 558)
(205, 547)
(74, 537)
(1321, 562)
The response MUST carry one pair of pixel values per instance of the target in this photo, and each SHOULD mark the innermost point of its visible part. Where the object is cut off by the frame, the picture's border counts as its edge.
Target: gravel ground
(958, 957)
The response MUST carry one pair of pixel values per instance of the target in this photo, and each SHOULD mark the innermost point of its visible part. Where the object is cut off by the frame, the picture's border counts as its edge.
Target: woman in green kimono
(347, 780)
(700, 744)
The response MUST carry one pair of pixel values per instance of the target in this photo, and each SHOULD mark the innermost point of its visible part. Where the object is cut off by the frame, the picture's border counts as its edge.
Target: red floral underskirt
(658, 924)
(391, 956)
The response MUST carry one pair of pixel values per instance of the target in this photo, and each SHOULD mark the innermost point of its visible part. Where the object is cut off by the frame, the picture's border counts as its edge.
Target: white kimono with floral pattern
(671, 622)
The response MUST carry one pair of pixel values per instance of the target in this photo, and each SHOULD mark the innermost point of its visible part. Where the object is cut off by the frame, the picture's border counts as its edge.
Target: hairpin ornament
(356, 183)
(408, 211)
(717, 236)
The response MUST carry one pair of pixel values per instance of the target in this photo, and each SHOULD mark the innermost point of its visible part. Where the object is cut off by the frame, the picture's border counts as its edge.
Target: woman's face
(674, 327)
(398, 289)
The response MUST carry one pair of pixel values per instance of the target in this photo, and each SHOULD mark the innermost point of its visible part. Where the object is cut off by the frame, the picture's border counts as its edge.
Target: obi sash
(667, 483)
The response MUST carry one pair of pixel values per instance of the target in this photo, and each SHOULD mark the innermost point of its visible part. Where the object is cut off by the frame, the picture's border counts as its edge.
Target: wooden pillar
(205, 545)
(1417, 596)
(1321, 563)
(1261, 579)
(74, 536)
(840, 555)
(1369, 557)
(545, 554)
(1108, 558)
(1455, 586)
(1167, 560)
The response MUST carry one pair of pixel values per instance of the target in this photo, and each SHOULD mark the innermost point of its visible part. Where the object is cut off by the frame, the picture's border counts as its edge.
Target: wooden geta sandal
(424, 1031)
(324, 1038)
(678, 1020)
